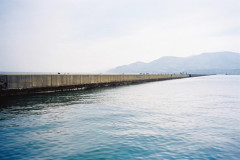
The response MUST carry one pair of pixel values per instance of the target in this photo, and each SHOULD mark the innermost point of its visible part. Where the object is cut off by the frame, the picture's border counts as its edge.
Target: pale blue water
(194, 118)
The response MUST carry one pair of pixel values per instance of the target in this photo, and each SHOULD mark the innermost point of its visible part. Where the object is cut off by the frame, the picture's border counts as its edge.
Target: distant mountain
(207, 63)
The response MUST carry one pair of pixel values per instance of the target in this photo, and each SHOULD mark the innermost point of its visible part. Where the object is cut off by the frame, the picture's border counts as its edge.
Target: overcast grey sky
(94, 35)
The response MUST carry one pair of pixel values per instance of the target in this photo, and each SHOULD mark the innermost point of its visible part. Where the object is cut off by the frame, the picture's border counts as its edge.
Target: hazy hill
(211, 63)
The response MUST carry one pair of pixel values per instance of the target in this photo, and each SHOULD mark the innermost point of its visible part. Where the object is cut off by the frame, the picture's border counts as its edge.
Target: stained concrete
(52, 82)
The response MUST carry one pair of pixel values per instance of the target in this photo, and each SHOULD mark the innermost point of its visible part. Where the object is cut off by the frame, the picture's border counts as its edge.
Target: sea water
(192, 118)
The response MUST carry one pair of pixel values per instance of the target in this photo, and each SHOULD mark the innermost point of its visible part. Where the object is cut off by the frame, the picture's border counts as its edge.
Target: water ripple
(195, 118)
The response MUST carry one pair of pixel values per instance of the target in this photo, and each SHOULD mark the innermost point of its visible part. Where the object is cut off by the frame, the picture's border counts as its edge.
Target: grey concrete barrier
(29, 83)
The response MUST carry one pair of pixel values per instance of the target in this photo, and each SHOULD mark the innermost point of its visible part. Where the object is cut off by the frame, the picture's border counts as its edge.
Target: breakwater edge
(19, 84)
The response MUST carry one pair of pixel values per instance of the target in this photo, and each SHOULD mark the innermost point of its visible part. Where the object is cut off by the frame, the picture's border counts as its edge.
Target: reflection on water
(46, 98)
(195, 118)
(34, 104)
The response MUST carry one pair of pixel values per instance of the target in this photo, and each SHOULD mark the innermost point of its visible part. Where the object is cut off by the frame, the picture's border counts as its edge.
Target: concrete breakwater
(19, 84)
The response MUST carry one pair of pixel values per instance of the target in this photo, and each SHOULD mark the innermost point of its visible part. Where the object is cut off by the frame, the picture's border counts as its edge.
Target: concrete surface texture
(20, 81)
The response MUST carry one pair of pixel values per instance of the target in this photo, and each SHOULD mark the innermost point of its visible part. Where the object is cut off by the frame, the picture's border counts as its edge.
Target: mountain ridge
(210, 62)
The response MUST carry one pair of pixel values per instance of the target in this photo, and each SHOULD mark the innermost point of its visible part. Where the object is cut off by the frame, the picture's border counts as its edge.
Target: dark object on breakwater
(20, 84)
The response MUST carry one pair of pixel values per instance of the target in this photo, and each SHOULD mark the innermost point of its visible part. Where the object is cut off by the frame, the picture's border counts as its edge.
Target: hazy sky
(93, 35)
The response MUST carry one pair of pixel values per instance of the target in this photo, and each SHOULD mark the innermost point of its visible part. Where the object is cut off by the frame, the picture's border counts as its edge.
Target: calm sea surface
(194, 118)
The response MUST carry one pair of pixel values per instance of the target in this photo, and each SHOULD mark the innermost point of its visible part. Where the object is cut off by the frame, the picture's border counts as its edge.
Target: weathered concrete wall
(25, 84)
(3, 82)
(40, 81)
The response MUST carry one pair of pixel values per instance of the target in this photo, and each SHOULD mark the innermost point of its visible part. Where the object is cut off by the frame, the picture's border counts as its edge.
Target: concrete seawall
(34, 83)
